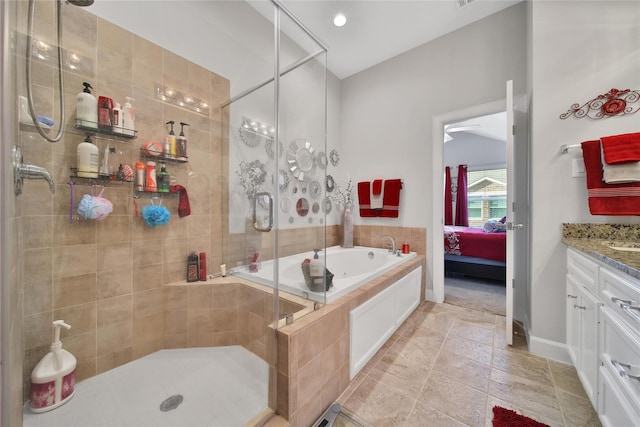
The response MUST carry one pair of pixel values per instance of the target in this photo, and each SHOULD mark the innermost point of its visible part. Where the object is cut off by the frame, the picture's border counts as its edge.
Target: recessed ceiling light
(339, 20)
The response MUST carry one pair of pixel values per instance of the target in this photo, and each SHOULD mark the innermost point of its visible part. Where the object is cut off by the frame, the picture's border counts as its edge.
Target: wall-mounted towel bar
(564, 148)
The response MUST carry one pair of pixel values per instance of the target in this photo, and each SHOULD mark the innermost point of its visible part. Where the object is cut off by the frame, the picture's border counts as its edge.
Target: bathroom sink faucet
(391, 238)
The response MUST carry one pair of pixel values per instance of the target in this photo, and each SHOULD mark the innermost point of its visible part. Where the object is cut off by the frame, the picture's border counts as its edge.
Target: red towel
(391, 198)
(184, 208)
(377, 186)
(621, 148)
(364, 199)
(607, 199)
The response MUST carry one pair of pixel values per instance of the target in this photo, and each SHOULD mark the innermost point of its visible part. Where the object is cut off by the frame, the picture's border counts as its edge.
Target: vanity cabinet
(582, 321)
(603, 336)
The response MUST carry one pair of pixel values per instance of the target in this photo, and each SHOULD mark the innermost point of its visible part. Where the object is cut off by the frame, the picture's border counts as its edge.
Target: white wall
(580, 49)
(387, 110)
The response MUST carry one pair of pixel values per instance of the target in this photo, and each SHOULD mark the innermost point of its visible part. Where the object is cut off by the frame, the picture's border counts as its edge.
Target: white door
(517, 206)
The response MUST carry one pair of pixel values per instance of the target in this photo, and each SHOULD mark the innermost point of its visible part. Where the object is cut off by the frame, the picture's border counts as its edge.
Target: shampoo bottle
(170, 142)
(151, 183)
(117, 119)
(164, 179)
(203, 266)
(129, 117)
(192, 267)
(105, 110)
(54, 377)
(87, 108)
(88, 163)
(182, 143)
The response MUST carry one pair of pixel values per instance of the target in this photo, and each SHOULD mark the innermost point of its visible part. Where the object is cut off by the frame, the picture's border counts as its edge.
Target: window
(487, 195)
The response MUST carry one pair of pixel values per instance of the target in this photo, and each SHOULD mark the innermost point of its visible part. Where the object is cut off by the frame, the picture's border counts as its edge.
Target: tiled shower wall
(105, 278)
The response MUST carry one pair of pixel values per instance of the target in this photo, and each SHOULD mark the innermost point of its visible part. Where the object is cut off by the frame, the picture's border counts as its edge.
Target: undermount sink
(623, 246)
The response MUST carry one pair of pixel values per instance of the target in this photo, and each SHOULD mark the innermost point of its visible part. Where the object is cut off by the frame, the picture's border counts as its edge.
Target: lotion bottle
(53, 379)
(88, 163)
(129, 117)
(117, 119)
(87, 108)
(182, 143)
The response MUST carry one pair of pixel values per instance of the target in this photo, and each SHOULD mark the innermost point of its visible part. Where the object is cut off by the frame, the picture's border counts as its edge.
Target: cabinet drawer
(583, 269)
(613, 408)
(622, 295)
(620, 350)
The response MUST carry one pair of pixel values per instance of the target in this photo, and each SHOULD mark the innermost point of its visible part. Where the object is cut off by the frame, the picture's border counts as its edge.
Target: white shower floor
(221, 386)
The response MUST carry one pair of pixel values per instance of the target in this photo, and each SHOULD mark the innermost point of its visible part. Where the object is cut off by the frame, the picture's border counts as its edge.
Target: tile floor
(448, 366)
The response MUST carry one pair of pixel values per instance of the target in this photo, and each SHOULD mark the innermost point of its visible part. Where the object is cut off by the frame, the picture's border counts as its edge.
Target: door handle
(512, 226)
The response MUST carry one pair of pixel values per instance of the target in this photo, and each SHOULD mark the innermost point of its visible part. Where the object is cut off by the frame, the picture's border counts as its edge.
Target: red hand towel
(364, 199)
(391, 202)
(621, 148)
(607, 199)
(377, 186)
(184, 209)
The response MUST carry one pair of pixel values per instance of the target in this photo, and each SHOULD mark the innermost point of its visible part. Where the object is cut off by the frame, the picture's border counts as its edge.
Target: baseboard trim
(549, 349)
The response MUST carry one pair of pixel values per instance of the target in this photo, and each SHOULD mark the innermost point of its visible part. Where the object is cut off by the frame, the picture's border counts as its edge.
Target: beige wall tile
(82, 318)
(74, 260)
(38, 297)
(147, 277)
(114, 337)
(74, 290)
(114, 310)
(112, 283)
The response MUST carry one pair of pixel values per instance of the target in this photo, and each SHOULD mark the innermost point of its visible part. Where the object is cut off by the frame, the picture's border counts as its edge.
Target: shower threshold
(217, 386)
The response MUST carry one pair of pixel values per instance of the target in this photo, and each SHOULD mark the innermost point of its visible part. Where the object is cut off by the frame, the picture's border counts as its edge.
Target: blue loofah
(155, 215)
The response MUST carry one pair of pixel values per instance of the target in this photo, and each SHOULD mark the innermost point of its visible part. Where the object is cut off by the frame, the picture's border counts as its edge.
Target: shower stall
(252, 86)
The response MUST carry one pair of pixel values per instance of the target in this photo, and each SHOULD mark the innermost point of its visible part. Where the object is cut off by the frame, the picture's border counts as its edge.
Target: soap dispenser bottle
(192, 267)
(128, 117)
(170, 150)
(88, 159)
(86, 108)
(182, 143)
(54, 377)
(316, 267)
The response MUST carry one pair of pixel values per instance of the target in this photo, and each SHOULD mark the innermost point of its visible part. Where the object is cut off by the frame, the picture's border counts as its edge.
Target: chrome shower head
(81, 3)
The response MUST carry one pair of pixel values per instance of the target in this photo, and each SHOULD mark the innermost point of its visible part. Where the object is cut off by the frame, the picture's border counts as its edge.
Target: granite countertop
(595, 239)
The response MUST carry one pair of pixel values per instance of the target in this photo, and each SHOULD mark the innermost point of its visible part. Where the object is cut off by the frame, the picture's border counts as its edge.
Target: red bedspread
(475, 242)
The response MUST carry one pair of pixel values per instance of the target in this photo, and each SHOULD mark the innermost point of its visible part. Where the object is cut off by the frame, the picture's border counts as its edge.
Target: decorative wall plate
(315, 189)
(302, 206)
(321, 160)
(330, 184)
(326, 205)
(251, 137)
(334, 157)
(315, 208)
(268, 147)
(285, 205)
(300, 158)
(283, 180)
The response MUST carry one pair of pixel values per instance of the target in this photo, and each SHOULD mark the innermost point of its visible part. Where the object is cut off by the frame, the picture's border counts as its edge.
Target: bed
(473, 252)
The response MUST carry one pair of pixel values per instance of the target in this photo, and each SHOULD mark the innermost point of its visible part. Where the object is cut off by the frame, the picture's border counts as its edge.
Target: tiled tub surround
(313, 352)
(593, 239)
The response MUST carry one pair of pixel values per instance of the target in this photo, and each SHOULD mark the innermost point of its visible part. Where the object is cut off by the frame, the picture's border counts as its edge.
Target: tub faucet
(22, 171)
(391, 238)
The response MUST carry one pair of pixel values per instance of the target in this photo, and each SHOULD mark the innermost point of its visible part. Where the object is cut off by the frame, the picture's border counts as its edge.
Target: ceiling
(377, 30)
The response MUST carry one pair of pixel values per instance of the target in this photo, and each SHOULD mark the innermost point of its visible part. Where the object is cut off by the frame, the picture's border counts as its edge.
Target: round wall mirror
(302, 206)
(300, 158)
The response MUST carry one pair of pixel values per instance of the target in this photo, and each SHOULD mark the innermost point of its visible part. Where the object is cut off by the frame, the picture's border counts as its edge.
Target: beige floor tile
(566, 378)
(472, 332)
(379, 405)
(464, 370)
(468, 348)
(527, 365)
(419, 351)
(577, 411)
(396, 372)
(423, 416)
(449, 397)
(531, 395)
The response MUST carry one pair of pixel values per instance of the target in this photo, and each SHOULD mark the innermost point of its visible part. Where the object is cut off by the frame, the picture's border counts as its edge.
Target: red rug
(503, 417)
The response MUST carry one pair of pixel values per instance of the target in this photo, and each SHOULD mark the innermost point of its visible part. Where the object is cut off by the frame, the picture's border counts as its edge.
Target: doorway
(475, 254)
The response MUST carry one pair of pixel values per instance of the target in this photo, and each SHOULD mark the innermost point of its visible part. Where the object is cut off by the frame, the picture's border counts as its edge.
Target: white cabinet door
(573, 321)
(588, 373)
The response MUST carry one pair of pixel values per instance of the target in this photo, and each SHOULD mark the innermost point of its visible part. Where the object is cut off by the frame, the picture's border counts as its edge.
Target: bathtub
(351, 267)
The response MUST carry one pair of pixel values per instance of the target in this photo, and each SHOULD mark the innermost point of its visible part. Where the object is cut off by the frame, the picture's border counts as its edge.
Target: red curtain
(462, 212)
(448, 203)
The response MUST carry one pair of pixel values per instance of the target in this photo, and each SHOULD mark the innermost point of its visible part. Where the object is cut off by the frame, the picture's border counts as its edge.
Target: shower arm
(29, 82)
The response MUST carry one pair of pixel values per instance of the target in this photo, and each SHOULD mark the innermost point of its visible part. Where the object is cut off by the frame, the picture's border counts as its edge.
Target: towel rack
(564, 148)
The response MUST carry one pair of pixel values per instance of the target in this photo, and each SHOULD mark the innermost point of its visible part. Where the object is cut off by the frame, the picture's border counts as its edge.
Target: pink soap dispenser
(53, 379)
